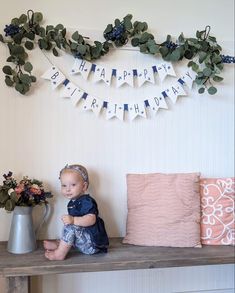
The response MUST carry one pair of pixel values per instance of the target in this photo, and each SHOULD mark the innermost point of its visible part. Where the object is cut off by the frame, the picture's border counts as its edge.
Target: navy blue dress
(84, 205)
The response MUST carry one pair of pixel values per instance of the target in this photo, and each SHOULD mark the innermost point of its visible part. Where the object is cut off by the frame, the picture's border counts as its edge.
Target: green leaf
(164, 51)
(33, 78)
(175, 55)
(19, 87)
(55, 52)
(10, 205)
(75, 36)
(212, 90)
(207, 71)
(59, 27)
(3, 196)
(37, 17)
(202, 56)
(42, 44)
(28, 67)
(135, 42)
(217, 78)
(1, 38)
(7, 70)
(81, 49)
(29, 45)
(15, 21)
(23, 18)
(25, 78)
(201, 90)
(30, 35)
(108, 29)
(181, 38)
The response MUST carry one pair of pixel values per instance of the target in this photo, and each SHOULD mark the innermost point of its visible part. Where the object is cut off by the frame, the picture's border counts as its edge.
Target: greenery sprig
(26, 32)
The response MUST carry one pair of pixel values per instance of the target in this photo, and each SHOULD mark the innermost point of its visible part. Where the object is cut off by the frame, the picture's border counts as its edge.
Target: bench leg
(17, 284)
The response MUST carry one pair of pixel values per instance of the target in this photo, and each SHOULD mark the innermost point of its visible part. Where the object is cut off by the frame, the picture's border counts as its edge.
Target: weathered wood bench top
(119, 257)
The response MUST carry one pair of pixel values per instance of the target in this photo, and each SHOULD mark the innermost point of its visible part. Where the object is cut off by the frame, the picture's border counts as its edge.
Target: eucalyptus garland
(26, 32)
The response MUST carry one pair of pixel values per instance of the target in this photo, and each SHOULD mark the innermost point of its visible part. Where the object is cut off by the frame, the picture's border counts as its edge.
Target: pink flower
(35, 189)
(19, 188)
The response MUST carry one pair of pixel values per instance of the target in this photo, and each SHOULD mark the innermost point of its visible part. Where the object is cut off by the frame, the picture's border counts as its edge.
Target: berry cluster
(116, 33)
(11, 30)
(227, 59)
(171, 45)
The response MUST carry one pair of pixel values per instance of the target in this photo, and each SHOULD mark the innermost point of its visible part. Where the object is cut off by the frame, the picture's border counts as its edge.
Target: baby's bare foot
(54, 255)
(51, 244)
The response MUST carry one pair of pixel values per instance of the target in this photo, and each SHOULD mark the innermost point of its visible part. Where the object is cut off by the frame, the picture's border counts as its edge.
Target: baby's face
(72, 184)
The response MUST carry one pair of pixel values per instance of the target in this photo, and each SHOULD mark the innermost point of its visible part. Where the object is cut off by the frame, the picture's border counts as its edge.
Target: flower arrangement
(26, 192)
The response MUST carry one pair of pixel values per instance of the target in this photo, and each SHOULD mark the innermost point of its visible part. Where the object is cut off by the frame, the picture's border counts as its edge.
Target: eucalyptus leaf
(55, 52)
(207, 71)
(37, 17)
(7, 70)
(217, 78)
(25, 78)
(29, 45)
(9, 205)
(1, 38)
(212, 90)
(23, 18)
(28, 67)
(201, 90)
(9, 81)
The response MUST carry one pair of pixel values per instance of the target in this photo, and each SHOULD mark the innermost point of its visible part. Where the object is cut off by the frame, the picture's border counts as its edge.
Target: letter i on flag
(55, 76)
(73, 92)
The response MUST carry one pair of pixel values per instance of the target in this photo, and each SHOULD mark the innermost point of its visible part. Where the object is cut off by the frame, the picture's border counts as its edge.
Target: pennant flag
(55, 76)
(72, 91)
(93, 104)
(144, 75)
(165, 69)
(81, 66)
(115, 110)
(136, 110)
(174, 91)
(189, 77)
(124, 76)
(102, 73)
(157, 102)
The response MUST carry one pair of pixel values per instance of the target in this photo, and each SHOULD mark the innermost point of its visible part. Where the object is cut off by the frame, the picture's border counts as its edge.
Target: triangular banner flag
(55, 76)
(115, 110)
(137, 109)
(81, 66)
(93, 104)
(165, 69)
(174, 91)
(189, 77)
(124, 76)
(157, 102)
(102, 73)
(72, 91)
(144, 75)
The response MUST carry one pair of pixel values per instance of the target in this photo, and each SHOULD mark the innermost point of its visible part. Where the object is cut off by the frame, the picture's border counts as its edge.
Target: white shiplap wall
(41, 132)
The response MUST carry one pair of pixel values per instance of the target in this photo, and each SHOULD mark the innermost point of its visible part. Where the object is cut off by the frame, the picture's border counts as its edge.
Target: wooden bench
(17, 269)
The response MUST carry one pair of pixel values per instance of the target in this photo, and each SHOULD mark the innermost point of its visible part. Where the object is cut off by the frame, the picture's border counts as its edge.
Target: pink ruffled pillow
(217, 205)
(163, 210)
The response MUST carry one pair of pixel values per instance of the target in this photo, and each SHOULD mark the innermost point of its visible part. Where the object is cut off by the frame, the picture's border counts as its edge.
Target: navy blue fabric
(84, 205)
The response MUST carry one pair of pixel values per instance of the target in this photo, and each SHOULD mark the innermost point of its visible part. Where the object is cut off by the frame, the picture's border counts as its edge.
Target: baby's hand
(67, 219)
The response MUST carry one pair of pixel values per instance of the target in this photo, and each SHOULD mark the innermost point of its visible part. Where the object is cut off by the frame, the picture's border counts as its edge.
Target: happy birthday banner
(122, 76)
(96, 105)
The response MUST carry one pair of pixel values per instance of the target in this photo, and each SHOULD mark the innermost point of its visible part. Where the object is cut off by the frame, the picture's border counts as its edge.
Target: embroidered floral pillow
(217, 207)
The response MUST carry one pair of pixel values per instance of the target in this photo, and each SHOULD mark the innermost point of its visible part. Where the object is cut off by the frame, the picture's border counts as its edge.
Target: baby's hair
(79, 169)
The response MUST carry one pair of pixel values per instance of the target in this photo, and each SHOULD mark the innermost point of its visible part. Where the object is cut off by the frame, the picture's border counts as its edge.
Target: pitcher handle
(47, 211)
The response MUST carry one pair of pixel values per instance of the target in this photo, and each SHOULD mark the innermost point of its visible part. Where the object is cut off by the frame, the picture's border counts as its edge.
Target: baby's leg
(51, 244)
(60, 252)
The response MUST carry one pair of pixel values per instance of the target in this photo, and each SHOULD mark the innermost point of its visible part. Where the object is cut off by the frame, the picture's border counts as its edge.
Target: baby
(83, 228)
